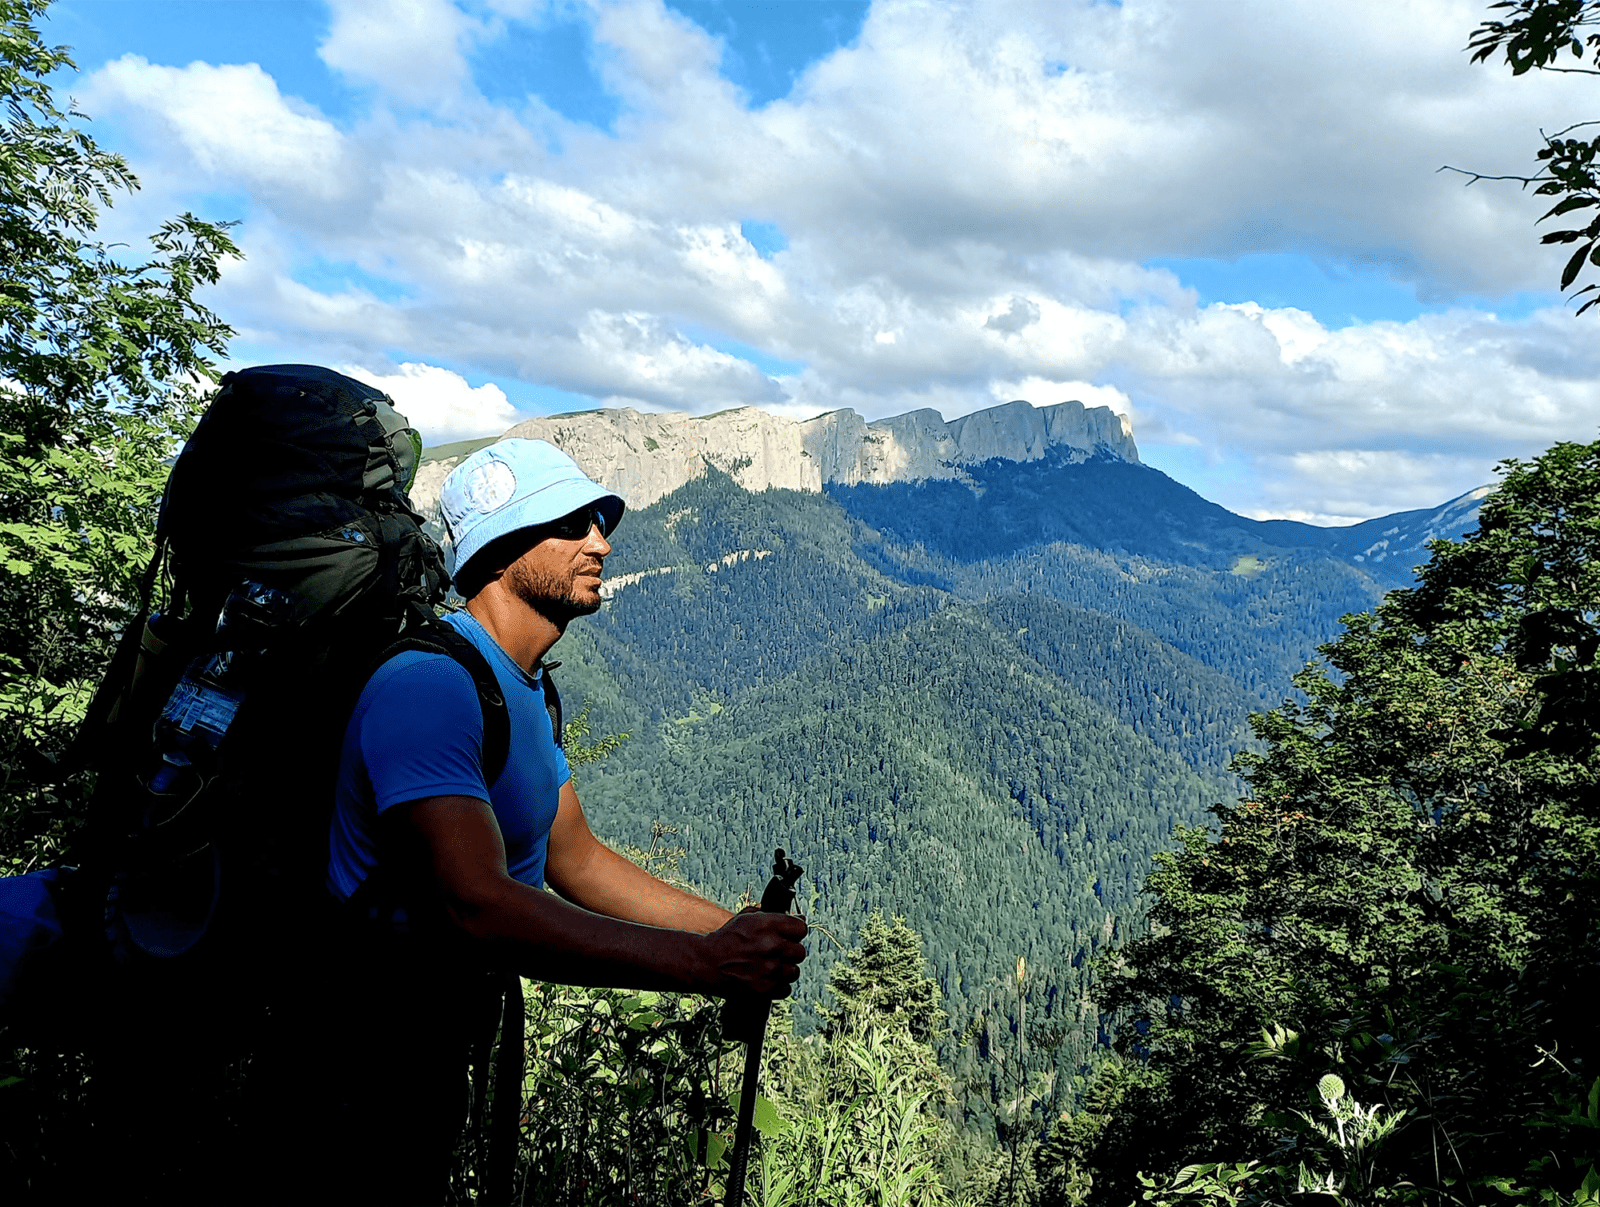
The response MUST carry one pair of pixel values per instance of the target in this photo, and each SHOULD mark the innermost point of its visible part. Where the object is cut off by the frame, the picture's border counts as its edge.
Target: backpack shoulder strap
(429, 634)
(552, 699)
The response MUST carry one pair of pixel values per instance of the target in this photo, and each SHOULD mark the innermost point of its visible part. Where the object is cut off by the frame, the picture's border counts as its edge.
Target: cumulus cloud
(411, 49)
(1043, 392)
(971, 195)
(1021, 313)
(440, 404)
(232, 122)
(1340, 485)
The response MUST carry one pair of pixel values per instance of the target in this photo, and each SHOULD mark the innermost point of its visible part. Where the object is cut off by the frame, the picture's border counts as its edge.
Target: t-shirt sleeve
(422, 733)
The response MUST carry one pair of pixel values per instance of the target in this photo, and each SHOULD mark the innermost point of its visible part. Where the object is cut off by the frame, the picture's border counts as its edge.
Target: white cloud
(1341, 486)
(969, 192)
(233, 123)
(1043, 392)
(411, 49)
(440, 404)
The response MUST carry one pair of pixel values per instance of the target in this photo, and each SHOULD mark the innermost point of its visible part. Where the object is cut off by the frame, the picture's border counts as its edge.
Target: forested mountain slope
(1129, 509)
(981, 709)
(1250, 598)
(981, 704)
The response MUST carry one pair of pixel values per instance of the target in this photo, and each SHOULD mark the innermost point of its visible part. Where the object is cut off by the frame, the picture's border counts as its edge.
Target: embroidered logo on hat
(489, 486)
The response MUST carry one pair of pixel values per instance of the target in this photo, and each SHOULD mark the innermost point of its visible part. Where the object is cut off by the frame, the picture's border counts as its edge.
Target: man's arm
(588, 873)
(547, 938)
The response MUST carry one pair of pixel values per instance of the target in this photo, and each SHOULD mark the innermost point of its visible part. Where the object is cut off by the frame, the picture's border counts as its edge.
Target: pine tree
(884, 983)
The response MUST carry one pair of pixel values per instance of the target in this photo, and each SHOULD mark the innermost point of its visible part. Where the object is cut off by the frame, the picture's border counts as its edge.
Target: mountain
(1391, 545)
(1013, 452)
(998, 771)
(644, 457)
(1134, 511)
(979, 698)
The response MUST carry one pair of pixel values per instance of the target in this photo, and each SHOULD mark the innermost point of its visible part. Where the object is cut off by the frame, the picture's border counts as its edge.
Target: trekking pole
(746, 1019)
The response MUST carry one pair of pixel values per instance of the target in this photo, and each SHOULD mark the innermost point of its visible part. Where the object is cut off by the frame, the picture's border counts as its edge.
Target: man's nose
(597, 543)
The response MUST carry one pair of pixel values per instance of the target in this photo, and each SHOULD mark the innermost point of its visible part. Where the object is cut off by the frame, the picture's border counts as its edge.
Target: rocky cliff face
(645, 456)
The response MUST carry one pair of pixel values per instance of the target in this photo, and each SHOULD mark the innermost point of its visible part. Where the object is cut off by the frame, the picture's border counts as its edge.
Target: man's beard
(547, 595)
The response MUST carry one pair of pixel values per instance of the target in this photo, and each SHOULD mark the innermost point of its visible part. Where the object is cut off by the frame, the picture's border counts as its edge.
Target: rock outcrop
(645, 456)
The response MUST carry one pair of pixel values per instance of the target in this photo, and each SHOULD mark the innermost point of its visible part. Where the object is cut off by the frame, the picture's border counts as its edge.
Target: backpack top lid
(283, 450)
(286, 453)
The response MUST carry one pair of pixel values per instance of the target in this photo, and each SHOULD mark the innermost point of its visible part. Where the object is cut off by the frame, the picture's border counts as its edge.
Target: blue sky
(1222, 218)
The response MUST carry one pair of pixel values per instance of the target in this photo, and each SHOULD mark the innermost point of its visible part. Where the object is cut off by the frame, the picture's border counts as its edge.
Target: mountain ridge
(1021, 447)
(644, 457)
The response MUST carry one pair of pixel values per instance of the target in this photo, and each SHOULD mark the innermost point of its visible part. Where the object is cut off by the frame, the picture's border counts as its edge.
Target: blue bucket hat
(512, 485)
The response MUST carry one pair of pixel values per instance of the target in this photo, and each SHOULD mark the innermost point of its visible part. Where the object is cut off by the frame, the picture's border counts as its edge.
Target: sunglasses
(575, 525)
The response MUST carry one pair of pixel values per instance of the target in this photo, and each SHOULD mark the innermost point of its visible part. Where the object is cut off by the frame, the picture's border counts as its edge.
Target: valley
(981, 702)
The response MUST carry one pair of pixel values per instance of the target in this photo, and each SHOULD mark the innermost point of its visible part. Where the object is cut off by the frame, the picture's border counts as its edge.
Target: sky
(1224, 219)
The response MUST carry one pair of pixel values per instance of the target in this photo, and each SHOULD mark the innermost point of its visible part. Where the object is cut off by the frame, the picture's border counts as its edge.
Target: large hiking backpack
(291, 564)
(184, 952)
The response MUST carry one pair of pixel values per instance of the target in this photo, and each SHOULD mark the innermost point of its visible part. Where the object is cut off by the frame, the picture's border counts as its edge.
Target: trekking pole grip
(745, 1018)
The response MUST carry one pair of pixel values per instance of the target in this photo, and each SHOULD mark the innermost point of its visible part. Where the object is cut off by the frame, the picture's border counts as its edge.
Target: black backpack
(291, 565)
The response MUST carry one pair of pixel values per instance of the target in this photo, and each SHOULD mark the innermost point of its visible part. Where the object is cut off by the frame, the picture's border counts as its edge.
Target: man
(528, 540)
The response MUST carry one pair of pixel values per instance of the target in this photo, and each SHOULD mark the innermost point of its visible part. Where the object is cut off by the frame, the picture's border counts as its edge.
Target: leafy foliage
(624, 1090)
(1402, 909)
(631, 1097)
(1540, 35)
(102, 362)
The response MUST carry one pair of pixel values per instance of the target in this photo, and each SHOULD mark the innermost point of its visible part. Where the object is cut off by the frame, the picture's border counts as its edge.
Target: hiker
(446, 871)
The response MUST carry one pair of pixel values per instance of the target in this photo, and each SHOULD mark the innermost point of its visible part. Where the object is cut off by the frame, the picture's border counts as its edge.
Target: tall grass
(630, 1098)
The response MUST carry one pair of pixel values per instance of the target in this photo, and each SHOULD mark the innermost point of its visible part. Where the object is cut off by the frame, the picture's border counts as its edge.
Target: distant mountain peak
(645, 456)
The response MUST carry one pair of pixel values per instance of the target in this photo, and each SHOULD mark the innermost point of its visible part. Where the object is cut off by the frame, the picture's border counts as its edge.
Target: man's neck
(522, 631)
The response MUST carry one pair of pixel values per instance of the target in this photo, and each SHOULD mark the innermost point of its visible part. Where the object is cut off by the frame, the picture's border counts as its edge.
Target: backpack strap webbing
(552, 700)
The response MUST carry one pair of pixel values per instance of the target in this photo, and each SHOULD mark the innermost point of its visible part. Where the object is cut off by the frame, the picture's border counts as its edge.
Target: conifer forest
(1152, 854)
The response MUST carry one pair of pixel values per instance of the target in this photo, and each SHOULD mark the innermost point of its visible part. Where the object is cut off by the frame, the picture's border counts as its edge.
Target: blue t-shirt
(417, 731)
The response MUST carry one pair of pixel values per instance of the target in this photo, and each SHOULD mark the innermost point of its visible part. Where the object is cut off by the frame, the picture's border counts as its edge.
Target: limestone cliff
(645, 456)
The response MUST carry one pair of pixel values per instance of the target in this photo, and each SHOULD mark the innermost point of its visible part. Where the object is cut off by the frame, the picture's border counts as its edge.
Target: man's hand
(755, 954)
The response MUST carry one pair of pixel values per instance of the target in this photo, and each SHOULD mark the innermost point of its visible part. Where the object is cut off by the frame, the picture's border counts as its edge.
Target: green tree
(856, 1116)
(103, 359)
(1406, 898)
(884, 983)
(1550, 35)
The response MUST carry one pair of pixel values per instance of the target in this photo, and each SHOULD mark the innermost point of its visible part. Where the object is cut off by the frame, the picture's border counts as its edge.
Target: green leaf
(1570, 204)
(767, 1121)
(716, 1145)
(1575, 265)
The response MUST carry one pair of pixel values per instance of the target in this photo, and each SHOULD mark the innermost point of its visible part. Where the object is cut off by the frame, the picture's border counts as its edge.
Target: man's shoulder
(425, 676)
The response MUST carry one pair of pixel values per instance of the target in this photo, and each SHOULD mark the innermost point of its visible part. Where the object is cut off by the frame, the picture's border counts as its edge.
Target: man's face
(560, 578)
